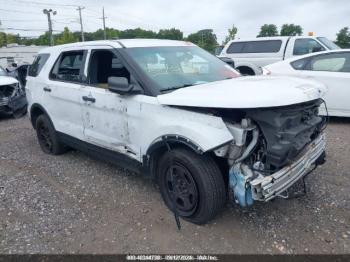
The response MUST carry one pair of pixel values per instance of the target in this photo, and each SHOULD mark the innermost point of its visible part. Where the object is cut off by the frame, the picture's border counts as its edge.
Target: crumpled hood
(246, 92)
(7, 80)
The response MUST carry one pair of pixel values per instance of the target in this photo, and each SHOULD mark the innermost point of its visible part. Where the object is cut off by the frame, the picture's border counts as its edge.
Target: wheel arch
(247, 66)
(35, 111)
(161, 145)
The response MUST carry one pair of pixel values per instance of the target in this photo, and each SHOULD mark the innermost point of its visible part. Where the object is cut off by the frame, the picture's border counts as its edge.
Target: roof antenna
(174, 209)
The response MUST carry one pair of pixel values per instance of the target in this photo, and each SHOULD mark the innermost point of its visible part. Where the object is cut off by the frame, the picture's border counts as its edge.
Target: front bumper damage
(248, 185)
(12, 102)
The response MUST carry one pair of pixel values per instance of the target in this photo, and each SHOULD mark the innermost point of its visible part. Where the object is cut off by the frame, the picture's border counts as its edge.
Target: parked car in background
(251, 54)
(12, 96)
(331, 68)
(180, 115)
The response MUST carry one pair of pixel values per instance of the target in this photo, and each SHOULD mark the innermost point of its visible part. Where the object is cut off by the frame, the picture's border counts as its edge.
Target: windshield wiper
(175, 87)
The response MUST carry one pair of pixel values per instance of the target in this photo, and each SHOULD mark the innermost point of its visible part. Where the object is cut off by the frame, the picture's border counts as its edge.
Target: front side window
(337, 62)
(306, 46)
(37, 65)
(69, 66)
(179, 66)
(104, 64)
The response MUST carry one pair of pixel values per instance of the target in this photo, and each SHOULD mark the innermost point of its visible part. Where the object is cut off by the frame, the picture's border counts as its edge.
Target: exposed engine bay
(268, 142)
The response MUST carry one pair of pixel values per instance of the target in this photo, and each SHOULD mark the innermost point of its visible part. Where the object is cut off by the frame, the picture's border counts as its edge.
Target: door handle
(89, 99)
(47, 89)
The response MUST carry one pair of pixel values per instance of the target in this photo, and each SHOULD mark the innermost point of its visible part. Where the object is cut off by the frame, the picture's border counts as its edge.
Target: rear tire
(197, 186)
(47, 137)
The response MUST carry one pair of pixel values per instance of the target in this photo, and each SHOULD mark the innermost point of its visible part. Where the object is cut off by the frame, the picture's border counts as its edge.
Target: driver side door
(105, 113)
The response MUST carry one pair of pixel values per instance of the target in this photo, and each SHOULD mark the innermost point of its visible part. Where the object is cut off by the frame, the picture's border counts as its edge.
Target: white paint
(7, 80)
(246, 92)
(338, 83)
(256, 60)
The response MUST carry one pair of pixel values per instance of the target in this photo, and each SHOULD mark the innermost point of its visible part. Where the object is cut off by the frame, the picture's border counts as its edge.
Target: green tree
(174, 34)
(3, 40)
(231, 35)
(43, 39)
(66, 37)
(137, 33)
(291, 30)
(204, 38)
(268, 30)
(343, 38)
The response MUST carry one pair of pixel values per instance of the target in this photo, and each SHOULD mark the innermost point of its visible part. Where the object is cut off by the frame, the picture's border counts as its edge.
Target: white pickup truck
(250, 55)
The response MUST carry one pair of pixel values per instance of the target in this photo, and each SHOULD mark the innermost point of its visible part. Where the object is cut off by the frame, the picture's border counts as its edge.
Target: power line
(44, 4)
(28, 30)
(17, 11)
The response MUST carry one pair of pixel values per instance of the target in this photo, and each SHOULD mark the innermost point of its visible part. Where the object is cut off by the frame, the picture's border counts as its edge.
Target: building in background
(19, 54)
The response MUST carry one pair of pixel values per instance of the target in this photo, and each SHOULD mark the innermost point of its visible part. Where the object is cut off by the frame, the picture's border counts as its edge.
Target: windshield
(328, 43)
(180, 66)
(2, 72)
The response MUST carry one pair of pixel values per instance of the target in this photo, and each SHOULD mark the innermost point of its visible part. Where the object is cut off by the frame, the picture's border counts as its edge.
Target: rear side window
(69, 67)
(38, 64)
(300, 64)
(268, 46)
(235, 47)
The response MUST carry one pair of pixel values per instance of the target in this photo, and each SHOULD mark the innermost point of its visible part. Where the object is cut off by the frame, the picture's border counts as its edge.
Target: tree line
(204, 38)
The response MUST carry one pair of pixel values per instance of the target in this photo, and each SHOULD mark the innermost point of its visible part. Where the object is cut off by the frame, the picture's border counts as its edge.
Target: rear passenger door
(64, 95)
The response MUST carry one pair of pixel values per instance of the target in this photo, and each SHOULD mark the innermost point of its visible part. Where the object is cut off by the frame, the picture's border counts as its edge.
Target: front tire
(196, 186)
(47, 137)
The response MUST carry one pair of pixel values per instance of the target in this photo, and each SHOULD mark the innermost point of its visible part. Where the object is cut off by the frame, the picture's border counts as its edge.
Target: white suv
(179, 115)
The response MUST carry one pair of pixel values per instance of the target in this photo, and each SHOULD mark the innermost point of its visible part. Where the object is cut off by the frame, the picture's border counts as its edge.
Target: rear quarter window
(38, 64)
(268, 46)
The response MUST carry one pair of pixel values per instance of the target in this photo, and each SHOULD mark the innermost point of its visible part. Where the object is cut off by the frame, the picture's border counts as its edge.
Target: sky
(323, 17)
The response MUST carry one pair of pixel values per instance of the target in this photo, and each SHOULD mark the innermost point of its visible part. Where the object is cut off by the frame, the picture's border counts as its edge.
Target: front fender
(201, 131)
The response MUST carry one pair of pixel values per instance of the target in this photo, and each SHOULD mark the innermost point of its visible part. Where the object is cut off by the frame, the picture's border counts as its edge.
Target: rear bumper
(265, 188)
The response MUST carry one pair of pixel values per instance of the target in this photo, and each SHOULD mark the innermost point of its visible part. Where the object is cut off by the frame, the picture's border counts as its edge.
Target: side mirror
(120, 85)
(14, 64)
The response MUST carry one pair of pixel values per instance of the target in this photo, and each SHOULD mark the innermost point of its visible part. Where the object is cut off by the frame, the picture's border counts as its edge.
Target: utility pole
(104, 23)
(48, 13)
(81, 23)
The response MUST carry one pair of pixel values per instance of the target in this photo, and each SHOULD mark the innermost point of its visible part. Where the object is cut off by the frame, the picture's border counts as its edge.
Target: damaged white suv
(178, 114)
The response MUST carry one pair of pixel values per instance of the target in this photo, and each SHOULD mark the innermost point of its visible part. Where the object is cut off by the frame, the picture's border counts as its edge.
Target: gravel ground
(75, 204)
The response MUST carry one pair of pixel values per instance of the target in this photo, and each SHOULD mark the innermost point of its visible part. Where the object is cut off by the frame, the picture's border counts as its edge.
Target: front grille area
(287, 130)
(7, 91)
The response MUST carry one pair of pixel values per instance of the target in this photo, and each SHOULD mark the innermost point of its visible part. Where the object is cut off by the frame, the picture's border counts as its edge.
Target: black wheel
(47, 137)
(193, 183)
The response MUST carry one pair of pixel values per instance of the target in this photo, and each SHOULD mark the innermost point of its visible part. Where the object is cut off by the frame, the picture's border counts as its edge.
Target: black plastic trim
(101, 153)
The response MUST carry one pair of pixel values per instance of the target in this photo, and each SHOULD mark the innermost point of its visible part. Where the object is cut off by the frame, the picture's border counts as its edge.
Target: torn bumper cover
(249, 186)
(12, 99)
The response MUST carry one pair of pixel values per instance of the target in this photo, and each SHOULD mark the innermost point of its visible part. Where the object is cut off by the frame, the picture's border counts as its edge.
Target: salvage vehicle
(174, 112)
(12, 96)
(330, 67)
(250, 55)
